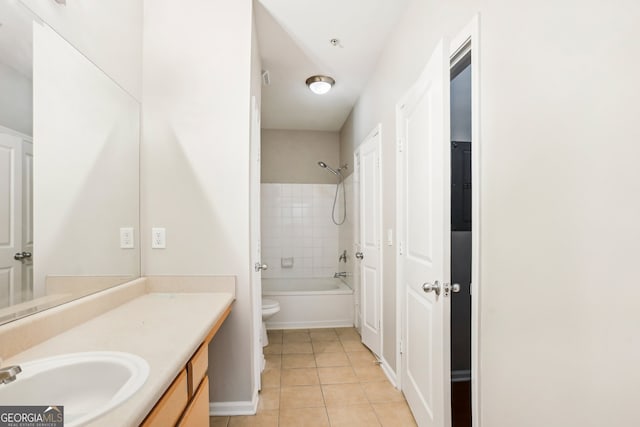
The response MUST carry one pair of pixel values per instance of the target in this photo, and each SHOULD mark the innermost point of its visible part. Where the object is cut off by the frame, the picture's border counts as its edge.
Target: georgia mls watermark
(31, 416)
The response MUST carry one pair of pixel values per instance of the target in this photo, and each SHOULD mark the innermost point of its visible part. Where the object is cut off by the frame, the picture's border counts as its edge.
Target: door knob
(432, 287)
(260, 267)
(19, 256)
(359, 255)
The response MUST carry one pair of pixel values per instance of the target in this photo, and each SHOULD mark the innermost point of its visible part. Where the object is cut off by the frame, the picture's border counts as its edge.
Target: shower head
(329, 168)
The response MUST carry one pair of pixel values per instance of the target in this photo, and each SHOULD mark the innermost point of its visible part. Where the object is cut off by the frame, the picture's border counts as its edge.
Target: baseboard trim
(346, 323)
(391, 376)
(224, 409)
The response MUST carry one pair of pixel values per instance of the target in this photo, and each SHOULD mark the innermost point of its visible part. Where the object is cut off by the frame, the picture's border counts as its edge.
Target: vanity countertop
(164, 328)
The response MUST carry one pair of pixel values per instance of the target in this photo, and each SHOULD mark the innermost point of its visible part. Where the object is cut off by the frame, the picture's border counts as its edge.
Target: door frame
(375, 137)
(468, 36)
(256, 285)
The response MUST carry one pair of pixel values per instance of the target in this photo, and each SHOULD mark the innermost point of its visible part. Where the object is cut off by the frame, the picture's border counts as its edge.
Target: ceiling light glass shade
(320, 84)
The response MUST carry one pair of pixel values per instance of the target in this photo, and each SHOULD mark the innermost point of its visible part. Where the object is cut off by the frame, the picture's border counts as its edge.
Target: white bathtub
(309, 303)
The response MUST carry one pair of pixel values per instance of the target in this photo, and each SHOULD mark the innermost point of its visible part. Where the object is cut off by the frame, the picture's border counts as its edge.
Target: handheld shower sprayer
(337, 172)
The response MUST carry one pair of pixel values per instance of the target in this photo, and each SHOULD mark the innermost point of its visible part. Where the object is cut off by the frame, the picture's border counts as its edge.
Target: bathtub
(309, 303)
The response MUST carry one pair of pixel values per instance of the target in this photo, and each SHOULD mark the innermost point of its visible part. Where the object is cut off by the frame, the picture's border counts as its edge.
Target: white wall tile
(296, 222)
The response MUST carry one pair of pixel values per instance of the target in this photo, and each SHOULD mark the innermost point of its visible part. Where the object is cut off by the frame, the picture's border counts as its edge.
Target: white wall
(16, 102)
(86, 133)
(109, 33)
(292, 156)
(559, 229)
(195, 161)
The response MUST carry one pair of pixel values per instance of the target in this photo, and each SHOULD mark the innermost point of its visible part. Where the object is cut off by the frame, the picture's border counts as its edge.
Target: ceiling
(294, 39)
(16, 38)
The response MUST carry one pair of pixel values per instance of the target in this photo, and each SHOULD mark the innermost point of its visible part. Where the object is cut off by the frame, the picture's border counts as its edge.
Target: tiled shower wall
(296, 223)
(346, 233)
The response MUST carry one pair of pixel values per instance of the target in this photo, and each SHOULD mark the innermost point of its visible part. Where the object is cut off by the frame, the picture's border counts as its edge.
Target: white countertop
(163, 328)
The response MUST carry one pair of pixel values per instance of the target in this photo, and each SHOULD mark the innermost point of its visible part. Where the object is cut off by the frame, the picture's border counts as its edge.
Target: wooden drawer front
(197, 413)
(170, 407)
(197, 368)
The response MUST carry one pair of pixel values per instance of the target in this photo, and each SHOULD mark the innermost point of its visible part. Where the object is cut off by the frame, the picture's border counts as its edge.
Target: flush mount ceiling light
(320, 84)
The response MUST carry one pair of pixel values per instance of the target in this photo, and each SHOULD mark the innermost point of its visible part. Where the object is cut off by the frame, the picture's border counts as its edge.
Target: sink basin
(86, 384)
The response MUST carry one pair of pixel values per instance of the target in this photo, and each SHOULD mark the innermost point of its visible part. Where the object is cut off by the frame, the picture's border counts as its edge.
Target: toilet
(269, 308)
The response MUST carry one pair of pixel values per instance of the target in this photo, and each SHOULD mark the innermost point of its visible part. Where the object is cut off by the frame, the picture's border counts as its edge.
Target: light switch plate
(158, 238)
(126, 238)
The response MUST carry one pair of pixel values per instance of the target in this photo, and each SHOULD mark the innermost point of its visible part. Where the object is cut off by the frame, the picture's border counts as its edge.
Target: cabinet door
(197, 413)
(170, 407)
(197, 368)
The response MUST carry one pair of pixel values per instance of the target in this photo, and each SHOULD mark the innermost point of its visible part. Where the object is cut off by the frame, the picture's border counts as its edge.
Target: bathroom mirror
(69, 171)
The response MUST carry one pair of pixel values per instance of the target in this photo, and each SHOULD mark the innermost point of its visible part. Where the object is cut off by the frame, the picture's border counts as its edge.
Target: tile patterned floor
(323, 378)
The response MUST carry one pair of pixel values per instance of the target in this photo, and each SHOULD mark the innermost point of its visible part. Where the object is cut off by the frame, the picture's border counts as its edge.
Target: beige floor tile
(394, 414)
(347, 389)
(327, 347)
(298, 361)
(337, 375)
(265, 419)
(349, 336)
(300, 376)
(304, 417)
(344, 331)
(274, 337)
(353, 346)
(271, 378)
(382, 391)
(272, 361)
(297, 348)
(268, 399)
(327, 360)
(343, 395)
(273, 349)
(323, 336)
(296, 337)
(353, 416)
(306, 396)
(369, 373)
(361, 357)
(218, 421)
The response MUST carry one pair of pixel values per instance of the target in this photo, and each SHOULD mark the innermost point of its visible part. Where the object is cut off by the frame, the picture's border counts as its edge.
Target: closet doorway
(461, 187)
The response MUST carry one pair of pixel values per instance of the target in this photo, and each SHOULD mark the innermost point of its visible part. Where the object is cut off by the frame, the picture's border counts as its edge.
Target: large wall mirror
(69, 171)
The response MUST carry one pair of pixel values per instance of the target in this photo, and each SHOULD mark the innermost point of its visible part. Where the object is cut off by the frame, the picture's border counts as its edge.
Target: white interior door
(423, 224)
(27, 220)
(369, 242)
(10, 218)
(256, 273)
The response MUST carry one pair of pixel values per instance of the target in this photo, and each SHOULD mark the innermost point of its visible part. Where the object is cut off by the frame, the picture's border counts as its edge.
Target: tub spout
(9, 374)
(340, 274)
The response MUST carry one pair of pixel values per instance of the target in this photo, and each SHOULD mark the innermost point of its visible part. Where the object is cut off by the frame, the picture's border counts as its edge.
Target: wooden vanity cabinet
(197, 413)
(186, 401)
